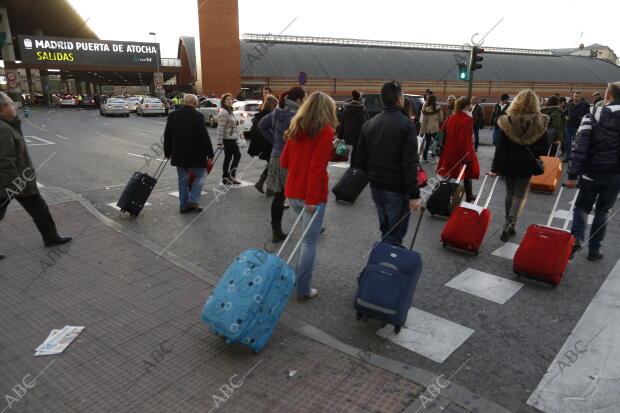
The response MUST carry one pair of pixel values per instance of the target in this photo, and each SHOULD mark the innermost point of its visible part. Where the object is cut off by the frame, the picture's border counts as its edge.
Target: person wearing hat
(598, 99)
(499, 110)
(18, 177)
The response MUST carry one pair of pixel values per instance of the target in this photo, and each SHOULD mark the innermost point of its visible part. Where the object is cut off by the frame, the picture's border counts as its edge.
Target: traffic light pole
(470, 83)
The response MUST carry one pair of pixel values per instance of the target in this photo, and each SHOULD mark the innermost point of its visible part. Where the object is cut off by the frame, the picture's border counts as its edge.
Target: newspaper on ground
(58, 340)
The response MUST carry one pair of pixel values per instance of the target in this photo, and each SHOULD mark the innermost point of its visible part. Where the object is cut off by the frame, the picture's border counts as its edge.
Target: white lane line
(113, 205)
(144, 156)
(508, 250)
(428, 335)
(142, 133)
(585, 374)
(562, 214)
(344, 165)
(106, 123)
(176, 193)
(43, 141)
(40, 185)
(161, 121)
(242, 185)
(62, 137)
(485, 285)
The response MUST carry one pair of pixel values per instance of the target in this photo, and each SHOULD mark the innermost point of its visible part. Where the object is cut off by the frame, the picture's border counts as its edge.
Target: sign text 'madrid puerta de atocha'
(86, 52)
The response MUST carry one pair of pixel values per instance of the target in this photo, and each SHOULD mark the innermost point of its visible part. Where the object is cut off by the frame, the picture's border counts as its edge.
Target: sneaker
(313, 293)
(594, 256)
(575, 250)
(1, 257)
(226, 181)
(286, 205)
(235, 182)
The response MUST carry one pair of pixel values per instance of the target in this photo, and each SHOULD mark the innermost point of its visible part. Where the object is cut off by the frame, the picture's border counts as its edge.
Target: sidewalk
(144, 348)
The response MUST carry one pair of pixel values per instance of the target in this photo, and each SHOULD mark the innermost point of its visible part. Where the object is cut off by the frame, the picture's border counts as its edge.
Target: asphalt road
(512, 344)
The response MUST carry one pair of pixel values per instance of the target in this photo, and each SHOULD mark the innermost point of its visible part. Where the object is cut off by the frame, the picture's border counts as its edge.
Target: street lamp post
(157, 57)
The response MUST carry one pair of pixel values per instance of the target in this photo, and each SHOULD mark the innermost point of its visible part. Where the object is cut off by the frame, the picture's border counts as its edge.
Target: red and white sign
(11, 76)
(12, 84)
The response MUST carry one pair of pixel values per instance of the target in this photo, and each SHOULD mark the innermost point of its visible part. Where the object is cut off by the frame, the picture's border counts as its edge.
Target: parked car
(89, 102)
(67, 101)
(244, 112)
(132, 102)
(114, 106)
(150, 106)
(210, 108)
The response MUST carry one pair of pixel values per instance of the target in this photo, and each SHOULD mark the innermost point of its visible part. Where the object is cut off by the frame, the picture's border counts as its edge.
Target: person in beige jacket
(227, 135)
(432, 116)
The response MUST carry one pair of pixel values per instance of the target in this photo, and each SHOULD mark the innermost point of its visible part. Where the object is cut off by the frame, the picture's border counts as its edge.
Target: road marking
(144, 156)
(44, 141)
(143, 133)
(485, 285)
(62, 137)
(344, 165)
(584, 376)
(106, 123)
(113, 205)
(428, 335)
(562, 214)
(242, 185)
(176, 193)
(40, 185)
(508, 250)
(161, 121)
(35, 126)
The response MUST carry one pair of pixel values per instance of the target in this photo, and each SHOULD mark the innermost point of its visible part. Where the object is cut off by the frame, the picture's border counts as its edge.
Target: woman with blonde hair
(458, 148)
(306, 155)
(259, 146)
(521, 137)
(227, 135)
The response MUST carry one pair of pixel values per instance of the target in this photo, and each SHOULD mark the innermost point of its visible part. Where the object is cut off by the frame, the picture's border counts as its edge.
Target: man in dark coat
(478, 114)
(575, 111)
(18, 178)
(595, 161)
(353, 117)
(499, 110)
(188, 145)
(388, 153)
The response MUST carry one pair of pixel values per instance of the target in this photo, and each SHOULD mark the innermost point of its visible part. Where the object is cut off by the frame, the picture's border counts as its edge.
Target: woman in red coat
(458, 148)
(306, 155)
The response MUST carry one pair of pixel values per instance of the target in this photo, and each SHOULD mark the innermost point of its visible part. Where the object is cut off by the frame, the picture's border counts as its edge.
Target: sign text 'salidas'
(94, 47)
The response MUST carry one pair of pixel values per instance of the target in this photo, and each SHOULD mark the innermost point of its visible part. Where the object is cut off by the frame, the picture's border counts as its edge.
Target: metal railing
(274, 38)
(170, 62)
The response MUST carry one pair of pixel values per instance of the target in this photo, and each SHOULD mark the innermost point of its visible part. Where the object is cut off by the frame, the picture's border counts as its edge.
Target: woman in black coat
(521, 137)
(353, 117)
(259, 146)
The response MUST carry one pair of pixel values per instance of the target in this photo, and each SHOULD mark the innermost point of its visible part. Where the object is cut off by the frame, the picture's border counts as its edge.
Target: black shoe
(576, 249)
(58, 241)
(508, 229)
(594, 256)
(226, 181)
(277, 234)
(1, 257)
(259, 187)
(269, 193)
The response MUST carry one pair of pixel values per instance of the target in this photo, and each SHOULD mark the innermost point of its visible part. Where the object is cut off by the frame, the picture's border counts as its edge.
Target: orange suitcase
(548, 182)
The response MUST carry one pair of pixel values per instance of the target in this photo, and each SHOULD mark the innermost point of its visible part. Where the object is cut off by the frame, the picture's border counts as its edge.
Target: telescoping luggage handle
(458, 180)
(486, 204)
(417, 228)
(160, 169)
(302, 235)
(555, 205)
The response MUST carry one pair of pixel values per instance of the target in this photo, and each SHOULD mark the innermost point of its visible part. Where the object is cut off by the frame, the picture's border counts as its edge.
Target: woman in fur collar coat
(521, 137)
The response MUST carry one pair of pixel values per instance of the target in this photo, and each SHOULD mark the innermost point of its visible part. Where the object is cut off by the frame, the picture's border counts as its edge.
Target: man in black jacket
(188, 145)
(575, 111)
(498, 110)
(353, 117)
(478, 114)
(388, 153)
(595, 161)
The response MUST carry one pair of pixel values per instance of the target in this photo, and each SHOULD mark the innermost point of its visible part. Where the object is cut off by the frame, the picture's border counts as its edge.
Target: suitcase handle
(555, 205)
(417, 228)
(302, 235)
(160, 169)
(486, 204)
(461, 174)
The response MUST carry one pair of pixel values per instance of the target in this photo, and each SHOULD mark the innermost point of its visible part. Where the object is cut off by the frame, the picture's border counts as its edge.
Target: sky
(526, 24)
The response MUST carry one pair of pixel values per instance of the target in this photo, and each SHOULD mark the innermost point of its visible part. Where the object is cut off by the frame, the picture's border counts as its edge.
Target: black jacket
(576, 112)
(520, 142)
(259, 146)
(186, 140)
(597, 144)
(388, 152)
(497, 112)
(478, 114)
(354, 115)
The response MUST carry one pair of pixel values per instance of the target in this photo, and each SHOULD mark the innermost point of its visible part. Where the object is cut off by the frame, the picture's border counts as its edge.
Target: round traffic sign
(12, 84)
(11, 76)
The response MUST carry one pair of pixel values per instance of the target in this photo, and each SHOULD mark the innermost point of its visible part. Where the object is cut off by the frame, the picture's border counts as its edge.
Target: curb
(451, 395)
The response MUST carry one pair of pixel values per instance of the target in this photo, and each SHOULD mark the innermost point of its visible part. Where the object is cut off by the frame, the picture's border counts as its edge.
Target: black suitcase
(350, 186)
(138, 190)
(446, 196)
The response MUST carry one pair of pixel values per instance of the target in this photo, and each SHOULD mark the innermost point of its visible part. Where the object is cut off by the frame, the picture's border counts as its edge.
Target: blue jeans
(568, 141)
(603, 190)
(393, 211)
(307, 250)
(185, 195)
(496, 135)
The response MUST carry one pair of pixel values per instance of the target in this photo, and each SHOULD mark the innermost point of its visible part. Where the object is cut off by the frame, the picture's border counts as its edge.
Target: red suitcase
(468, 224)
(544, 251)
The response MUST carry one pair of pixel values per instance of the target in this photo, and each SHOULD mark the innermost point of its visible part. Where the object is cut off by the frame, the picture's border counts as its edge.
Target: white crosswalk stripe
(485, 285)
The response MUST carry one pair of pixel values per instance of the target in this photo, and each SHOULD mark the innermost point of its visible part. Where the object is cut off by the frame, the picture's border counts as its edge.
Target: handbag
(241, 142)
(342, 149)
(539, 167)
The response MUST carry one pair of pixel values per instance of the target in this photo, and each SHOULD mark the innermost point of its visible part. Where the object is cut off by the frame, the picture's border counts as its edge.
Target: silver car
(114, 106)
(67, 101)
(132, 102)
(210, 108)
(150, 106)
(244, 112)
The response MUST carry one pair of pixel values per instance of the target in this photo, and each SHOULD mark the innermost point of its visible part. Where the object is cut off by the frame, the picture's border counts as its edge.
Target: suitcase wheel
(476, 253)
(443, 244)
(397, 329)
(359, 316)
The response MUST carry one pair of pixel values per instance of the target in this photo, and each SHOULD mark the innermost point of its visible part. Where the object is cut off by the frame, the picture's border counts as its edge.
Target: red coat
(458, 148)
(306, 160)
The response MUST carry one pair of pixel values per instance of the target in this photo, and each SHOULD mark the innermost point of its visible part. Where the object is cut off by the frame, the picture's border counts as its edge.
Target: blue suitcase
(246, 304)
(387, 283)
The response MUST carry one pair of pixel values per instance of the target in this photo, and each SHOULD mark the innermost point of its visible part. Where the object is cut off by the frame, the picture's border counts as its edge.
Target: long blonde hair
(316, 112)
(269, 103)
(525, 102)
